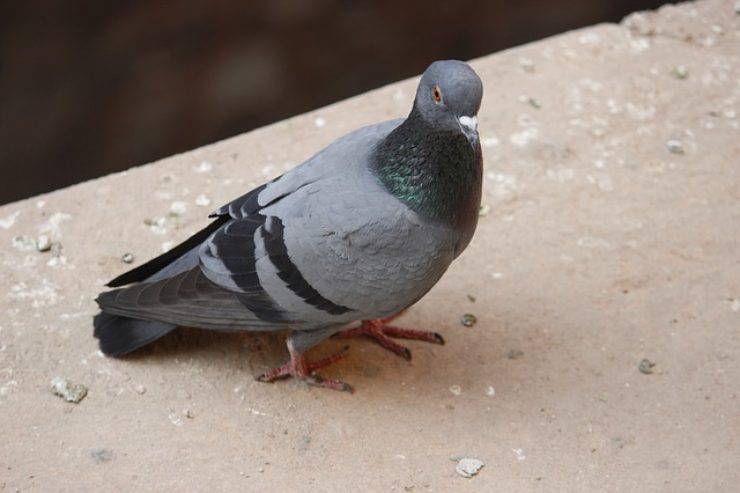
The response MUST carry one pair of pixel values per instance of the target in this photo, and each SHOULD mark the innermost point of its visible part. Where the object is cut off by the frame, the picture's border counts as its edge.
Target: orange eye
(437, 94)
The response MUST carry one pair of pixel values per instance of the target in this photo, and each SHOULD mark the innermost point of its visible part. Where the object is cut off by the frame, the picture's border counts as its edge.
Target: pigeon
(337, 246)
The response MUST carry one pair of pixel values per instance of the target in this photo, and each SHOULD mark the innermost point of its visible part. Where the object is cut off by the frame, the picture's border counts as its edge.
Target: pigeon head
(449, 97)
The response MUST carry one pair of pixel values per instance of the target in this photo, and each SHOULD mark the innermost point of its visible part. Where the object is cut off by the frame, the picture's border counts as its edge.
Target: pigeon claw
(300, 369)
(382, 334)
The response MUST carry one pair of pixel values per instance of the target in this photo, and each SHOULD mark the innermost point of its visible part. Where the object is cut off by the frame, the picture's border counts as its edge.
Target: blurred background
(92, 87)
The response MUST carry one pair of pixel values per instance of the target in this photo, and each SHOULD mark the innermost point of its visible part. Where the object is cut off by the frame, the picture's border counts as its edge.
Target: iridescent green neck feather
(436, 174)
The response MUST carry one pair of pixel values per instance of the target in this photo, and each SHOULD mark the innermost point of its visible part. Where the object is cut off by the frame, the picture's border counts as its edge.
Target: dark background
(91, 87)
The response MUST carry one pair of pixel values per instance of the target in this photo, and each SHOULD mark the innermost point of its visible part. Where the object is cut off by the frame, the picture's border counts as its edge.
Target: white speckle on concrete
(561, 175)
(178, 208)
(490, 141)
(319, 122)
(589, 38)
(455, 389)
(57, 259)
(9, 386)
(202, 201)
(399, 96)
(640, 112)
(639, 45)
(203, 167)
(484, 210)
(40, 204)
(9, 220)
(519, 453)
(267, 170)
(175, 419)
(52, 226)
(468, 467)
(157, 225)
(592, 242)
(140, 389)
(44, 295)
(735, 305)
(521, 139)
(490, 391)
(503, 184)
(590, 84)
(23, 243)
(71, 316)
(167, 246)
(527, 64)
(613, 106)
(497, 275)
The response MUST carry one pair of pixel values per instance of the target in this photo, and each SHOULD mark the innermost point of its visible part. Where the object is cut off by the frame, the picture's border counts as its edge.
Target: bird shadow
(258, 348)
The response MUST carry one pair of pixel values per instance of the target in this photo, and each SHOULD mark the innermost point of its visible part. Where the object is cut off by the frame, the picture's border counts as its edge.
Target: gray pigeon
(357, 233)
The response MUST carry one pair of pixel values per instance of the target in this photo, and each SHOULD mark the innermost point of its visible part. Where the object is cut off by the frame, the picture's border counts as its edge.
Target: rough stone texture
(601, 248)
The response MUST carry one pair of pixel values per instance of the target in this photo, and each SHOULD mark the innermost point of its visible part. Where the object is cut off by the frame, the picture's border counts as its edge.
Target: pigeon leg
(382, 333)
(298, 367)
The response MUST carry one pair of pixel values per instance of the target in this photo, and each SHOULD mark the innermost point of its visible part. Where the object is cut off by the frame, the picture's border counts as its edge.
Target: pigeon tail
(121, 335)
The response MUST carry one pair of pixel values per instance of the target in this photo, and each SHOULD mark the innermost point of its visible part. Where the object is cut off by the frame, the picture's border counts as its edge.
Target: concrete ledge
(612, 235)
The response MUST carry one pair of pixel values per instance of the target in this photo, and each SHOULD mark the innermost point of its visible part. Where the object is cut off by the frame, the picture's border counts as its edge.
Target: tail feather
(121, 335)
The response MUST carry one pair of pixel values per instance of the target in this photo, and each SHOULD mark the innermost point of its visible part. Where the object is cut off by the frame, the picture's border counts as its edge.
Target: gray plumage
(360, 231)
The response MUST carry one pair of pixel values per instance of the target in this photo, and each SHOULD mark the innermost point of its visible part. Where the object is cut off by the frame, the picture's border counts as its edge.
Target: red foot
(298, 367)
(382, 333)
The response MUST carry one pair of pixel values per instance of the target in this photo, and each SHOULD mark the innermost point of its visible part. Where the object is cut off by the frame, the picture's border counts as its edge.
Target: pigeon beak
(469, 127)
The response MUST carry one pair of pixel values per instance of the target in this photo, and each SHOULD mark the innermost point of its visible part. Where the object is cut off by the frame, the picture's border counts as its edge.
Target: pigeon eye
(437, 94)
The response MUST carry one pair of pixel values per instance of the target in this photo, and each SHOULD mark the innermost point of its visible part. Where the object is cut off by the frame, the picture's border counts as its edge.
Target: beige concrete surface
(613, 235)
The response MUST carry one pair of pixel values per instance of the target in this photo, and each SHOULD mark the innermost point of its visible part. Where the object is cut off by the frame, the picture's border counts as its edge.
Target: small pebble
(680, 72)
(646, 366)
(468, 467)
(515, 353)
(468, 320)
(127, 258)
(490, 391)
(140, 389)
(471, 298)
(484, 210)
(67, 391)
(189, 414)
(43, 243)
(674, 146)
(534, 103)
(455, 389)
